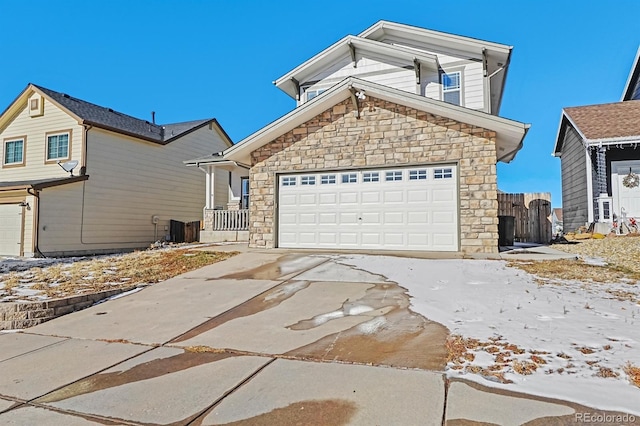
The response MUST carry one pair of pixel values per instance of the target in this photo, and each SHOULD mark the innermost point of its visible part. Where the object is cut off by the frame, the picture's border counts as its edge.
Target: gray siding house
(598, 146)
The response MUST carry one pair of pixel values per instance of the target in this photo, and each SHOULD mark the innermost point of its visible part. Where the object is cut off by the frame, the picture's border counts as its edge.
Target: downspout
(36, 224)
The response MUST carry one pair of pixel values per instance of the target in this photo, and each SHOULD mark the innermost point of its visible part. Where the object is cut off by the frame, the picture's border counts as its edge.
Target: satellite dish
(68, 166)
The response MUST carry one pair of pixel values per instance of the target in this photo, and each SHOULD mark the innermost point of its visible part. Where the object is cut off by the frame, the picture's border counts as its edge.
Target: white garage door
(10, 224)
(412, 208)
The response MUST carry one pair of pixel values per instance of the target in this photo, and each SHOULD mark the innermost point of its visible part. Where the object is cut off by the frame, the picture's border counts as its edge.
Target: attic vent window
(35, 104)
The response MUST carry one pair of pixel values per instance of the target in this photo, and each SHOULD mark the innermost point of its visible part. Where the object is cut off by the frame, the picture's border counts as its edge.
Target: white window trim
(459, 71)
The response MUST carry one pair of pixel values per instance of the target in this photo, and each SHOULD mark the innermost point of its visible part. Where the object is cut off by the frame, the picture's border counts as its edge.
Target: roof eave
(510, 133)
(632, 80)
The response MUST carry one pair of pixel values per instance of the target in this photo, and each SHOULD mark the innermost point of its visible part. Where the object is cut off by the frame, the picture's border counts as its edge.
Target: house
(78, 178)
(600, 160)
(393, 145)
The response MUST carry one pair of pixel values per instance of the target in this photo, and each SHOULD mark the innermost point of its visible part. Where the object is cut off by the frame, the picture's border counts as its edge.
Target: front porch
(225, 225)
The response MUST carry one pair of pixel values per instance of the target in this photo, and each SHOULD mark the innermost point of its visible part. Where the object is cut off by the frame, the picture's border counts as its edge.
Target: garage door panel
(415, 209)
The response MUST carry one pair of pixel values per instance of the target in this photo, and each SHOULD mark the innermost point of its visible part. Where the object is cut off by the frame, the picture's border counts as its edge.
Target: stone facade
(386, 134)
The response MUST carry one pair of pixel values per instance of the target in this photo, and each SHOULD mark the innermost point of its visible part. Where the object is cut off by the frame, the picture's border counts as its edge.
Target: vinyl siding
(370, 68)
(129, 182)
(35, 129)
(575, 201)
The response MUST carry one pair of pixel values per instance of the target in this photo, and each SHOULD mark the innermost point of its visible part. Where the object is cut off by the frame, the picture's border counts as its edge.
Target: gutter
(519, 147)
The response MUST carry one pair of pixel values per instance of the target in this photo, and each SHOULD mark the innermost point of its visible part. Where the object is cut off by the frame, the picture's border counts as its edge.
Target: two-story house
(79, 178)
(393, 145)
(599, 150)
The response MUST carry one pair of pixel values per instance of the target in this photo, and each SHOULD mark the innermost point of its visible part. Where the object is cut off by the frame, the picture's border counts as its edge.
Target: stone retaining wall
(16, 315)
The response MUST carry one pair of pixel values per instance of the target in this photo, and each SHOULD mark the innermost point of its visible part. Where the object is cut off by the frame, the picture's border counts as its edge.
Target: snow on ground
(574, 331)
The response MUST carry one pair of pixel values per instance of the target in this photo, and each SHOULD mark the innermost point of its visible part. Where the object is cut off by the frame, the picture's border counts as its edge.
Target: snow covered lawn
(565, 339)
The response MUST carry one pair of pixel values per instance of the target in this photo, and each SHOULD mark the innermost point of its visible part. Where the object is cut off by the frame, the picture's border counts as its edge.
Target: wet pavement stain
(283, 266)
(148, 370)
(394, 336)
(305, 413)
(268, 300)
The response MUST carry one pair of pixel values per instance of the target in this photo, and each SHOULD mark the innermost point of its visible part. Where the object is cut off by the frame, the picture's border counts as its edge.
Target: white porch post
(209, 186)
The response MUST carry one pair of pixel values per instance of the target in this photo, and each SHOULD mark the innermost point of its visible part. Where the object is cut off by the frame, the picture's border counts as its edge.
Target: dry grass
(619, 252)
(566, 269)
(633, 371)
(524, 367)
(606, 372)
(107, 273)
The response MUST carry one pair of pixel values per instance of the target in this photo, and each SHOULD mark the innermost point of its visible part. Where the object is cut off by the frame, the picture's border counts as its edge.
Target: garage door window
(327, 179)
(350, 178)
(308, 180)
(289, 181)
(442, 174)
(395, 175)
(371, 177)
(418, 174)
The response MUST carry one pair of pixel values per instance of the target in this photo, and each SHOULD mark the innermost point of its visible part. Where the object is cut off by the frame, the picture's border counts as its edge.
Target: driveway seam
(230, 391)
(37, 349)
(173, 340)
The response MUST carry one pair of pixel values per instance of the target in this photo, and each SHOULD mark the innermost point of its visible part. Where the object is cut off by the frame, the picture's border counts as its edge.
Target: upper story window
(58, 146)
(312, 93)
(13, 152)
(451, 87)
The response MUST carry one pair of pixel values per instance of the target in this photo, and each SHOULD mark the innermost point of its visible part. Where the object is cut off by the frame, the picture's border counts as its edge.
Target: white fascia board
(213, 163)
(630, 78)
(556, 152)
(510, 133)
(341, 48)
(379, 29)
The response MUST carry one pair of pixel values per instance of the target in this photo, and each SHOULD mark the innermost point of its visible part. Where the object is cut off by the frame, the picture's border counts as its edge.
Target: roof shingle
(117, 121)
(607, 121)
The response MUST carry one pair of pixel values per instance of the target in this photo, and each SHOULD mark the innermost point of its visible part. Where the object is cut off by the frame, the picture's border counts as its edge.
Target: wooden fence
(532, 214)
(182, 232)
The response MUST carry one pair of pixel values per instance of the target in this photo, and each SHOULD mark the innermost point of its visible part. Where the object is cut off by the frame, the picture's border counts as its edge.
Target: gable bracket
(296, 84)
(416, 67)
(354, 99)
(352, 49)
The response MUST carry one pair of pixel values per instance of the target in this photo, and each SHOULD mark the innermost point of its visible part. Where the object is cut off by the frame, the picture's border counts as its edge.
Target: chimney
(153, 117)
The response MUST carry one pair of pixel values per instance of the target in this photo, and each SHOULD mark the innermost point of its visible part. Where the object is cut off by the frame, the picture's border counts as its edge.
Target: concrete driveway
(263, 338)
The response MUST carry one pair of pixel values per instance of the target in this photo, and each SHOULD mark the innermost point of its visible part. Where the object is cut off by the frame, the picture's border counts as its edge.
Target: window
(14, 152)
(58, 146)
(244, 192)
(393, 176)
(350, 178)
(308, 180)
(327, 179)
(312, 93)
(288, 181)
(371, 177)
(443, 173)
(451, 87)
(417, 174)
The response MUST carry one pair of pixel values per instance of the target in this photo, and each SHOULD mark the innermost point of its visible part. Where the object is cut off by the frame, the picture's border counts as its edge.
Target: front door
(626, 195)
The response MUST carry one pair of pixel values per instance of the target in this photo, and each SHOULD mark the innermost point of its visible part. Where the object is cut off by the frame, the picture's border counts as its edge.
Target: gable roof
(342, 48)
(632, 88)
(510, 133)
(602, 123)
(106, 118)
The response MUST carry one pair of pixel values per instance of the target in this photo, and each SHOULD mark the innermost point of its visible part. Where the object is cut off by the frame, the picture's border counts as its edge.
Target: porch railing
(230, 220)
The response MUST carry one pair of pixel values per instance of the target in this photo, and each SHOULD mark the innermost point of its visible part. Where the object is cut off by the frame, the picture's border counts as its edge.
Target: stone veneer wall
(16, 315)
(387, 134)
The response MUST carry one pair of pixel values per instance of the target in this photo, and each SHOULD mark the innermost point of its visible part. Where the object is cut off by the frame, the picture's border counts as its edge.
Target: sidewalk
(264, 338)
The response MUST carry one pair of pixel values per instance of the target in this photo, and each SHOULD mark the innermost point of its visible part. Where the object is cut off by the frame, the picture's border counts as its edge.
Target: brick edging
(17, 315)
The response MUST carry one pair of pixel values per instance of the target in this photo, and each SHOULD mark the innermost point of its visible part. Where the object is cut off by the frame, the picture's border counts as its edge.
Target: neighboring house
(393, 145)
(598, 146)
(128, 183)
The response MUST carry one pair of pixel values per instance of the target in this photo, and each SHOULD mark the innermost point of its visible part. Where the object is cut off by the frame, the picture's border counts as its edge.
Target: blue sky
(197, 59)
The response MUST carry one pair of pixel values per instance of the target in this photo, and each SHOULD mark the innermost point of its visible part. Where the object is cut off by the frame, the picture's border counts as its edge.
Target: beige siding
(221, 195)
(35, 129)
(130, 181)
